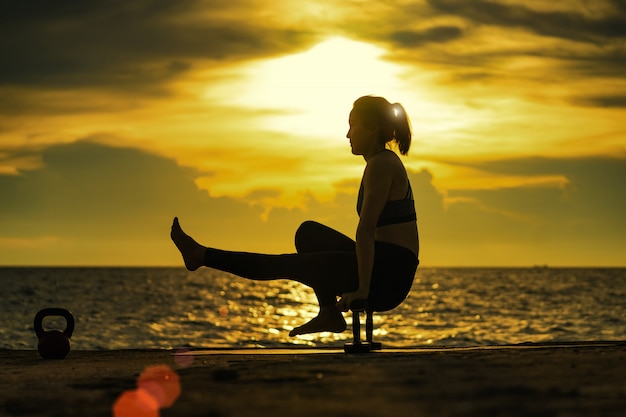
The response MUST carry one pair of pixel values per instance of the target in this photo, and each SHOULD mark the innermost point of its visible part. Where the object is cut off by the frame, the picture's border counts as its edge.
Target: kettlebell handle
(69, 319)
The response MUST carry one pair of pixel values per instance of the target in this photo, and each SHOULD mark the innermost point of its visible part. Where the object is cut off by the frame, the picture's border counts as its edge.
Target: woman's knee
(305, 235)
(312, 236)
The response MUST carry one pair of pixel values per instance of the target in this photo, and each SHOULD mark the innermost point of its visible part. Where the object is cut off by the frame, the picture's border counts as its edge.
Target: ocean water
(119, 308)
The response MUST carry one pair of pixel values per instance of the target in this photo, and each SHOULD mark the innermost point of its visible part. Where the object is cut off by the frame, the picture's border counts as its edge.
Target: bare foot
(329, 319)
(192, 251)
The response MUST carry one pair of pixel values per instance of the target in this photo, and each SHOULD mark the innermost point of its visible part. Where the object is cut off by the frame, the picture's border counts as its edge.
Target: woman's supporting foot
(329, 319)
(192, 251)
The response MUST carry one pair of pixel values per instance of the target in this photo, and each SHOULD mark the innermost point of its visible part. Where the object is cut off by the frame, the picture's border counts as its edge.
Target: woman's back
(402, 233)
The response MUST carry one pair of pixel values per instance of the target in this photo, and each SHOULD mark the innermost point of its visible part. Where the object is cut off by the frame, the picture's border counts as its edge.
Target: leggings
(326, 261)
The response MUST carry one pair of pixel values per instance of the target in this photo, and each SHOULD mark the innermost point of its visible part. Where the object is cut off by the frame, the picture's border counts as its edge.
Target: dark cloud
(97, 201)
(574, 25)
(584, 40)
(606, 62)
(619, 4)
(80, 184)
(581, 222)
(140, 45)
(602, 101)
(592, 195)
(20, 101)
(439, 34)
(116, 43)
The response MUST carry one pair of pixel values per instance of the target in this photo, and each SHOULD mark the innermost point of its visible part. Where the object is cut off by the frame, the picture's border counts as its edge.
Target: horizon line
(534, 266)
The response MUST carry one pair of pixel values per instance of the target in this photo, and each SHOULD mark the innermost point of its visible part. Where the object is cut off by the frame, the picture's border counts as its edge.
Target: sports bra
(395, 211)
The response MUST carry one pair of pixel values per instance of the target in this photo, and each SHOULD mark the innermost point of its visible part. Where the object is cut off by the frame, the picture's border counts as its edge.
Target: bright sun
(311, 93)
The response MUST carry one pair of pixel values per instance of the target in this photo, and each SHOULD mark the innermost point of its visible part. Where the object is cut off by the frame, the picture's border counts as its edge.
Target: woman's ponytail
(402, 128)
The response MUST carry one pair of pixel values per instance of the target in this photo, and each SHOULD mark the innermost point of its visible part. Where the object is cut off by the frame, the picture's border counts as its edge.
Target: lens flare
(158, 387)
(136, 403)
(162, 383)
(183, 358)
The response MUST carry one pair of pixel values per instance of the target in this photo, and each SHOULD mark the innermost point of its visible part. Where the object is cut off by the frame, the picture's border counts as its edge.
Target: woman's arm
(377, 181)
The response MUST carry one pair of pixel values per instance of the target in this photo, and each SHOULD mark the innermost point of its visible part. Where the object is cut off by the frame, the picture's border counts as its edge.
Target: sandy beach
(573, 379)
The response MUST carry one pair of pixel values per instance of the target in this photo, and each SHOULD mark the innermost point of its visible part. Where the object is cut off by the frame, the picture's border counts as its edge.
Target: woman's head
(388, 122)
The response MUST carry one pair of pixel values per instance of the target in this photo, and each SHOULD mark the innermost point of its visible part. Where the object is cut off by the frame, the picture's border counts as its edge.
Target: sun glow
(295, 107)
(309, 94)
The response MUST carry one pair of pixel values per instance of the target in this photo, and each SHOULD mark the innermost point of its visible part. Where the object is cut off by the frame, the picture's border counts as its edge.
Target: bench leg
(369, 331)
(357, 346)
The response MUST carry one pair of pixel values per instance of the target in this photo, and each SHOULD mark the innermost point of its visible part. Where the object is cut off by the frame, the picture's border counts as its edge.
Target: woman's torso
(404, 233)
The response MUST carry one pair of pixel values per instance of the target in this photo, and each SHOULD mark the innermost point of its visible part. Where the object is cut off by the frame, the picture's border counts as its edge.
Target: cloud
(611, 101)
(592, 194)
(511, 46)
(137, 45)
(586, 209)
(142, 48)
(438, 34)
(81, 183)
(580, 222)
(569, 24)
(91, 203)
(590, 41)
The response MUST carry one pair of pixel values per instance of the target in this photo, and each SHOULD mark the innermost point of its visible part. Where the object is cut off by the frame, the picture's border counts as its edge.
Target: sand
(574, 379)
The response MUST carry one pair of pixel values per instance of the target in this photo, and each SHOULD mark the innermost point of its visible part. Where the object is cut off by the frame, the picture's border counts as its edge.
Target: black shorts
(392, 276)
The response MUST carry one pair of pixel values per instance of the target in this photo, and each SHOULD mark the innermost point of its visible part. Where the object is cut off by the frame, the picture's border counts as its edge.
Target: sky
(116, 116)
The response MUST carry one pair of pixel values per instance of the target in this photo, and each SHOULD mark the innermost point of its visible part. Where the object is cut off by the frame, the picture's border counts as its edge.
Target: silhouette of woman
(380, 264)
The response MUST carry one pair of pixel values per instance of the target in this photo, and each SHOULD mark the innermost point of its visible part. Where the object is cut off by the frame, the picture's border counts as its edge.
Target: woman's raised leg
(329, 273)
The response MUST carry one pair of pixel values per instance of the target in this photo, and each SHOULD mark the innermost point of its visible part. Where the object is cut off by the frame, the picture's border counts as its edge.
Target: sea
(171, 308)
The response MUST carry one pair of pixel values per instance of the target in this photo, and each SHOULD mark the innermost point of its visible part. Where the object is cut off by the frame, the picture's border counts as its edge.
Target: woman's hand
(347, 298)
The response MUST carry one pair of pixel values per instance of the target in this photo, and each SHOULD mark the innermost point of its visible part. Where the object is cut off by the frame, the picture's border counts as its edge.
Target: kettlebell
(53, 344)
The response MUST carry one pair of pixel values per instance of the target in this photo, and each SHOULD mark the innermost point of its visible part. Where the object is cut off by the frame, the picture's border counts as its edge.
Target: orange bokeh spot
(223, 311)
(183, 358)
(136, 403)
(162, 383)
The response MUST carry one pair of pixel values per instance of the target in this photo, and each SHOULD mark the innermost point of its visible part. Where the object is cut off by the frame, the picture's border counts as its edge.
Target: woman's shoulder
(386, 160)
(384, 165)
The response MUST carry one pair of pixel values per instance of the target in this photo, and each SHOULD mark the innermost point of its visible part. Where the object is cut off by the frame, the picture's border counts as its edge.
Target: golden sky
(116, 116)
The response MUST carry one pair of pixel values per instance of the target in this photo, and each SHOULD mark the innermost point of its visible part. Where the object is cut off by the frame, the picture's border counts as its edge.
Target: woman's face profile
(360, 136)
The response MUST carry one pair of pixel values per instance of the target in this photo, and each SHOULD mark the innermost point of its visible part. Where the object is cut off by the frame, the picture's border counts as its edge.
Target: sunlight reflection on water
(171, 308)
